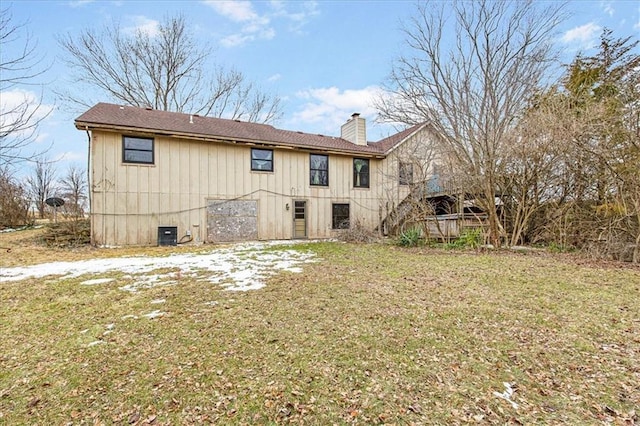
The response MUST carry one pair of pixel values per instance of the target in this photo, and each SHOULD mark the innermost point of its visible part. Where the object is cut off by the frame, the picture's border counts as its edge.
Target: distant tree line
(23, 200)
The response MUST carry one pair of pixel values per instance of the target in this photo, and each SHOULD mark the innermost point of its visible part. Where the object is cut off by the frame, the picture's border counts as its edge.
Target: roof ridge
(194, 114)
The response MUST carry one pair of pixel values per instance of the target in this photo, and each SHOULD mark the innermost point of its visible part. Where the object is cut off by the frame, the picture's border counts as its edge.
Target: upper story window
(319, 168)
(360, 173)
(406, 173)
(262, 160)
(137, 150)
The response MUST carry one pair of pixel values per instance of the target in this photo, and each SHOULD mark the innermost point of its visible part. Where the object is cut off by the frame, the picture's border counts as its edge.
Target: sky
(325, 59)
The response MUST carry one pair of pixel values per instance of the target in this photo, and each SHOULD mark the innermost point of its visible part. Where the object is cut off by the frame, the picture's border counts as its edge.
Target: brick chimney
(355, 130)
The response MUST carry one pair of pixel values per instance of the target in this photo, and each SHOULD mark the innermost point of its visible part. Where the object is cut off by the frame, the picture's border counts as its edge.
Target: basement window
(340, 216)
(261, 160)
(137, 150)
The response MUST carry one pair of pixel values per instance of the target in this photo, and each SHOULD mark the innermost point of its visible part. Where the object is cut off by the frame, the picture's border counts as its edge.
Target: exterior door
(299, 219)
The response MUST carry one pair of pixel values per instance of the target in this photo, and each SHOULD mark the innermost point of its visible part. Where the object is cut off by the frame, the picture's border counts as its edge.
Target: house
(160, 177)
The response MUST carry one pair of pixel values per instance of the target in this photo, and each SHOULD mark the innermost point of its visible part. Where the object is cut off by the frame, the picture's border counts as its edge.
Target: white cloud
(79, 3)
(277, 4)
(298, 19)
(252, 25)
(18, 105)
(329, 108)
(236, 10)
(258, 25)
(607, 6)
(274, 77)
(142, 24)
(43, 138)
(268, 34)
(236, 40)
(71, 156)
(584, 35)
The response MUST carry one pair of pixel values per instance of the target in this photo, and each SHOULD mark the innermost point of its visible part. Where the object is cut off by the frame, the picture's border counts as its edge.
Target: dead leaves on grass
(416, 341)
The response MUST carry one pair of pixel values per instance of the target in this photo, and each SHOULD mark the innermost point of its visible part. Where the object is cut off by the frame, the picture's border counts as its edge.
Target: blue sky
(325, 59)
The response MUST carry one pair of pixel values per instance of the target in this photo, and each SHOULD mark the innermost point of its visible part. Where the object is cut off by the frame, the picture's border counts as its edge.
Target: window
(360, 173)
(262, 160)
(340, 216)
(137, 150)
(406, 173)
(319, 166)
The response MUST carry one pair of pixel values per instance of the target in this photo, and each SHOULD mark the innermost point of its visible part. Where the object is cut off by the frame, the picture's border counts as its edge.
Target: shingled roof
(134, 119)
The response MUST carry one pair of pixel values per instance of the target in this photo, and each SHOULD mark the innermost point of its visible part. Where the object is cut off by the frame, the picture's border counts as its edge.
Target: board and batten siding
(130, 201)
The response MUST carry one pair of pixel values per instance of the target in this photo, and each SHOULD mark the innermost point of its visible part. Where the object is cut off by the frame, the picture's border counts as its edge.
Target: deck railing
(434, 186)
(437, 226)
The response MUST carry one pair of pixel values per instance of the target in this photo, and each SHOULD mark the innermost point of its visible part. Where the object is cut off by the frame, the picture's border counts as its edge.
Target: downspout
(89, 187)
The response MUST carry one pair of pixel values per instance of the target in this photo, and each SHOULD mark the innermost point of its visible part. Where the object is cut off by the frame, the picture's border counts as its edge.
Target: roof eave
(85, 125)
(406, 138)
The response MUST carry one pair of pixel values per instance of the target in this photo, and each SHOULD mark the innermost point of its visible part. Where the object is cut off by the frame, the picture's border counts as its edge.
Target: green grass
(368, 334)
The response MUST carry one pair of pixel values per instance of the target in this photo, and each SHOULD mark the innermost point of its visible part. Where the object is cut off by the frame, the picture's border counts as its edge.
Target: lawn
(364, 334)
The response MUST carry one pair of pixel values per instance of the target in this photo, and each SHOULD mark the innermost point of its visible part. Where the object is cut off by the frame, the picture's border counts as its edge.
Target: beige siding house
(160, 177)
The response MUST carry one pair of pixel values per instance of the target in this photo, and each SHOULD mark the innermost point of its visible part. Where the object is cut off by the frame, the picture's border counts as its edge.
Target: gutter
(89, 182)
(228, 140)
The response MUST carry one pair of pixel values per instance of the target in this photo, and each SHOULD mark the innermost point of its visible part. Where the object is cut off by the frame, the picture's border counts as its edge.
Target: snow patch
(97, 281)
(154, 314)
(240, 267)
(507, 394)
(22, 228)
(147, 281)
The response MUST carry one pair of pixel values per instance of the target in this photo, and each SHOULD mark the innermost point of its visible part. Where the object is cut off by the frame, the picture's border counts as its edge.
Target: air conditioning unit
(167, 235)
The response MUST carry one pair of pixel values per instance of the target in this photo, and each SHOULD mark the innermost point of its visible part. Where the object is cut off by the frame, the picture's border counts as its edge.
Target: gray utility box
(167, 235)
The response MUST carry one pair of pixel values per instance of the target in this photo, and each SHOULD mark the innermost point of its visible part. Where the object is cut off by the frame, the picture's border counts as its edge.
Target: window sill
(126, 163)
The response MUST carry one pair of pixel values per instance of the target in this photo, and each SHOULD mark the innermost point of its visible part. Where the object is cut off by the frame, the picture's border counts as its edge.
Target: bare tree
(74, 191)
(167, 71)
(533, 175)
(42, 184)
(14, 203)
(473, 86)
(20, 111)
